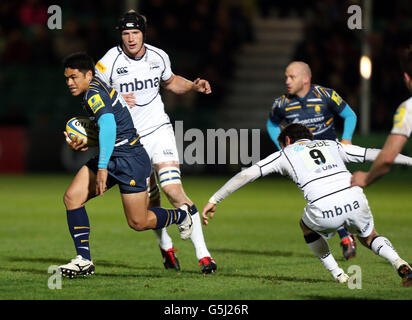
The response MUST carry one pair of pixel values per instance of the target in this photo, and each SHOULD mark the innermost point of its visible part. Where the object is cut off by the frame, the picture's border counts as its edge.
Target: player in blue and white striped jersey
(316, 107)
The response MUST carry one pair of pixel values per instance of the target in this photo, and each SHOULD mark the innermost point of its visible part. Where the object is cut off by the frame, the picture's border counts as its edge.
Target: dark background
(202, 39)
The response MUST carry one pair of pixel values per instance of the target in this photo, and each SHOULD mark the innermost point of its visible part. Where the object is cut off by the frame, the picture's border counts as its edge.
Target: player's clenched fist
(202, 85)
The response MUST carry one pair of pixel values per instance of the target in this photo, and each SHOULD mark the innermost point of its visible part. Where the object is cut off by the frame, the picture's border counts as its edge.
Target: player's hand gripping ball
(83, 128)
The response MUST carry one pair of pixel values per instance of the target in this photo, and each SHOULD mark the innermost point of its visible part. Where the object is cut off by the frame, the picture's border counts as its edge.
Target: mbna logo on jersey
(137, 85)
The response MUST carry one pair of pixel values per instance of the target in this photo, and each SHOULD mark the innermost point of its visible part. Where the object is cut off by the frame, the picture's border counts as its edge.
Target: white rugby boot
(340, 275)
(186, 227)
(77, 267)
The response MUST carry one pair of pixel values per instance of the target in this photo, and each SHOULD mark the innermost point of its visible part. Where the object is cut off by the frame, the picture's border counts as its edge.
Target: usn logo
(137, 85)
(122, 70)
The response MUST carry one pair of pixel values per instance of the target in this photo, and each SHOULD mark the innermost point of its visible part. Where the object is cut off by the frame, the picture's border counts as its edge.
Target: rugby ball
(83, 128)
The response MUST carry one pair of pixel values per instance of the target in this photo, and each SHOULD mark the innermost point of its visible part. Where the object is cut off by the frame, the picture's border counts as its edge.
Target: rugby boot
(404, 271)
(186, 227)
(170, 260)
(348, 245)
(342, 278)
(77, 267)
(208, 265)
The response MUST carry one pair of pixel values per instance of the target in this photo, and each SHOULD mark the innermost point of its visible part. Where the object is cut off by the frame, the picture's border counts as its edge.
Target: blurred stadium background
(241, 47)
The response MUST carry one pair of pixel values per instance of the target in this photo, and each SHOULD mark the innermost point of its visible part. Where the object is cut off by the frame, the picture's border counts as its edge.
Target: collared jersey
(402, 120)
(316, 111)
(141, 77)
(101, 99)
(317, 167)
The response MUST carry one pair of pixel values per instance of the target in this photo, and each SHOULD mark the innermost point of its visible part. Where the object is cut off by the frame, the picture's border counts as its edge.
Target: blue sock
(166, 217)
(193, 209)
(79, 228)
(343, 232)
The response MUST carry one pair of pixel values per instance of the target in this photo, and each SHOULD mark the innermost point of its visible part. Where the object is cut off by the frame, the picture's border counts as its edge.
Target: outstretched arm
(180, 85)
(242, 178)
(384, 160)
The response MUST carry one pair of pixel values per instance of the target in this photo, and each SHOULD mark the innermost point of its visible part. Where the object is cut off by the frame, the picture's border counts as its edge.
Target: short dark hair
(406, 61)
(295, 132)
(79, 60)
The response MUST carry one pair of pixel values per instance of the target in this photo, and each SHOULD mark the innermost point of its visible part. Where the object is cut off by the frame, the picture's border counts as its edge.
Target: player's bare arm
(180, 85)
(346, 141)
(393, 146)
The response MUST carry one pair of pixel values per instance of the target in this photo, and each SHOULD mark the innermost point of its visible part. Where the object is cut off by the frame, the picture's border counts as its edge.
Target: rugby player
(121, 160)
(137, 70)
(316, 107)
(401, 131)
(317, 168)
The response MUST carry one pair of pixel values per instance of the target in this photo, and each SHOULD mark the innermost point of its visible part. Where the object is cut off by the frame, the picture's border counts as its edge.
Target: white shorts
(160, 145)
(349, 208)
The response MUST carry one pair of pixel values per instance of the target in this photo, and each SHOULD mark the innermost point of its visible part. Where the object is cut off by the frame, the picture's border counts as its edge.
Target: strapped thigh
(169, 175)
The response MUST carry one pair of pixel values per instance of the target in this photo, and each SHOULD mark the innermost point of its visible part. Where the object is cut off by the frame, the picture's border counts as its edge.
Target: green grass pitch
(254, 237)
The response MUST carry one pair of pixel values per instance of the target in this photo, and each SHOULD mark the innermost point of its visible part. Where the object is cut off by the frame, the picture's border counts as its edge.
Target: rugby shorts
(349, 208)
(161, 145)
(130, 172)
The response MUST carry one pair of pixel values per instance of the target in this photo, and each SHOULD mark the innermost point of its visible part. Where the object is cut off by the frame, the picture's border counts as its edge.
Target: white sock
(383, 248)
(165, 242)
(320, 248)
(197, 238)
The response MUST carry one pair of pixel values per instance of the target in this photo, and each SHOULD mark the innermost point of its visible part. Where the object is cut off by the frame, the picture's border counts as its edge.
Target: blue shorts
(130, 172)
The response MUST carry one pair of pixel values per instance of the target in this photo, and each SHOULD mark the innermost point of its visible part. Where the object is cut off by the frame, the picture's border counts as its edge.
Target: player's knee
(176, 195)
(137, 224)
(366, 241)
(70, 200)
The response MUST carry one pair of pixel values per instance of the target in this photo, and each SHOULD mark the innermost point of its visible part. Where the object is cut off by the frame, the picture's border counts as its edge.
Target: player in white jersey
(401, 131)
(137, 70)
(317, 168)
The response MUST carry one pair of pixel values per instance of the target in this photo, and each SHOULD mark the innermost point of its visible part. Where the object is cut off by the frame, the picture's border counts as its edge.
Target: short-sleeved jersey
(141, 77)
(316, 111)
(402, 120)
(101, 99)
(317, 167)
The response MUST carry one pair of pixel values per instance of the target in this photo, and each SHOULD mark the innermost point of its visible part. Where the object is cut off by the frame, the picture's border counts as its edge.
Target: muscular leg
(138, 216)
(82, 188)
(380, 246)
(163, 238)
(320, 248)
(177, 197)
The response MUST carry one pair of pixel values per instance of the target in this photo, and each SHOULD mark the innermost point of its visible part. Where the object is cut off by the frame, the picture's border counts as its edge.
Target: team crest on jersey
(398, 117)
(317, 109)
(336, 98)
(95, 102)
